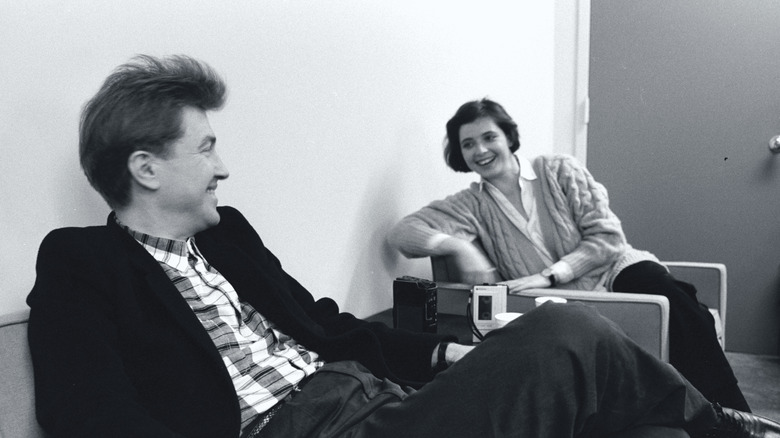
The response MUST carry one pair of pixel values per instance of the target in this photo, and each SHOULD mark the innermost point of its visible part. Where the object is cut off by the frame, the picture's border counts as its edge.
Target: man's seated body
(174, 319)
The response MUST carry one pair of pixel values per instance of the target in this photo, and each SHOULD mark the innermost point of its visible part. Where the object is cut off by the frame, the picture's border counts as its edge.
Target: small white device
(487, 301)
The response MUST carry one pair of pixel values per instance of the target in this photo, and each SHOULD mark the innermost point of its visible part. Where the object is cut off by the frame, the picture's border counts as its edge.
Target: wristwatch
(548, 274)
(441, 358)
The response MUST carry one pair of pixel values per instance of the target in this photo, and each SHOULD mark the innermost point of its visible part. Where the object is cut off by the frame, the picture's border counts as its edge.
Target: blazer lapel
(162, 289)
(250, 282)
(261, 284)
(170, 297)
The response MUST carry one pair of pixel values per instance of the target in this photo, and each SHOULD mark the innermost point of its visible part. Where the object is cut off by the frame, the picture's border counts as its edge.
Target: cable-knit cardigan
(587, 235)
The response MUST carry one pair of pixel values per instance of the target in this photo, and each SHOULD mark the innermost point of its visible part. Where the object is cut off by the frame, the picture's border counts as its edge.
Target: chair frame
(711, 281)
(454, 295)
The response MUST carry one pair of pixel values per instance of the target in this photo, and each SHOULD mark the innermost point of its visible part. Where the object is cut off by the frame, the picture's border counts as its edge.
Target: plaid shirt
(264, 363)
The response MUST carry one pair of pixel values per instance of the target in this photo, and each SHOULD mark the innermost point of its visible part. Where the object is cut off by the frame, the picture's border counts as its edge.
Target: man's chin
(209, 221)
(214, 219)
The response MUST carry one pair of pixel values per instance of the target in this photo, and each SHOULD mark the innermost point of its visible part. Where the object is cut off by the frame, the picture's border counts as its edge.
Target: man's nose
(220, 170)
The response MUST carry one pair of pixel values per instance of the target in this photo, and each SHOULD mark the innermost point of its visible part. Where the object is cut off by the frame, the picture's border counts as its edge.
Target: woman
(547, 223)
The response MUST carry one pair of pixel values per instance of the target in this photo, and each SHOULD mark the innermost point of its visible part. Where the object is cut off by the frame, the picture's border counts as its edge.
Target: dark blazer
(118, 352)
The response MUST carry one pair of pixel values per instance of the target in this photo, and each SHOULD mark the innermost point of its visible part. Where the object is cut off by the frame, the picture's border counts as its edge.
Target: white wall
(332, 131)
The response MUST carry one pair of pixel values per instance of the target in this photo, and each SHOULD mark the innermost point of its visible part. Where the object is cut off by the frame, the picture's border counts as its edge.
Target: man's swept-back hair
(139, 107)
(468, 113)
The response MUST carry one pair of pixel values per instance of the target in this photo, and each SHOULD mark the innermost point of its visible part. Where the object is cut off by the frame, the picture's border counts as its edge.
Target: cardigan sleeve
(590, 234)
(420, 233)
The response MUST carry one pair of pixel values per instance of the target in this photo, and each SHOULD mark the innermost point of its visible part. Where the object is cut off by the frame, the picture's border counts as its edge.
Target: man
(173, 319)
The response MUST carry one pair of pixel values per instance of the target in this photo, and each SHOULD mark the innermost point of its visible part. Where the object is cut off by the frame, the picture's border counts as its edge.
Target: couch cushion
(653, 432)
(17, 403)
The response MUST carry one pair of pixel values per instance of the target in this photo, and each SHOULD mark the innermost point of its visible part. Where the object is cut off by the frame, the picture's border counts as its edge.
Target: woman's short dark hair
(468, 113)
(139, 108)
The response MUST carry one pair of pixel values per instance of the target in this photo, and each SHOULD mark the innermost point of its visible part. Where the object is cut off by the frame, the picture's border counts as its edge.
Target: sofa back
(17, 397)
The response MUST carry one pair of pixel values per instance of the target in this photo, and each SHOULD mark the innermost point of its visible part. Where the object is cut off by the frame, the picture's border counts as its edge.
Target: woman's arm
(446, 228)
(472, 264)
(577, 201)
(536, 281)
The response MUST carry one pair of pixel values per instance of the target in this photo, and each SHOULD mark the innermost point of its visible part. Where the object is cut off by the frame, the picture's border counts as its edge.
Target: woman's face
(485, 149)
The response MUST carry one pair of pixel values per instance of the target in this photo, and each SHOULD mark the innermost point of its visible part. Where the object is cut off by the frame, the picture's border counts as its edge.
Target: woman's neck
(508, 182)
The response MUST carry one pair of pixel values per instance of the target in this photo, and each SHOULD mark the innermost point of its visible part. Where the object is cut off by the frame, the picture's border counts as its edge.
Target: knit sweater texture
(585, 233)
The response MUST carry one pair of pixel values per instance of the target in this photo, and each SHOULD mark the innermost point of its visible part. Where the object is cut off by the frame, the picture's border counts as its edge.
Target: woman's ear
(142, 167)
(515, 144)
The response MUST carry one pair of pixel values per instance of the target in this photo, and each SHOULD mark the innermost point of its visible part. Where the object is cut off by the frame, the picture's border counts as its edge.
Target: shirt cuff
(562, 272)
(436, 240)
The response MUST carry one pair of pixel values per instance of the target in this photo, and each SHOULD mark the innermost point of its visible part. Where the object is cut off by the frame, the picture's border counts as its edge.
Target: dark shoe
(737, 424)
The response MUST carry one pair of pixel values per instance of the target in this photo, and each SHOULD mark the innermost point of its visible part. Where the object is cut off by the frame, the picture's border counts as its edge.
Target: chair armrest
(644, 318)
(711, 283)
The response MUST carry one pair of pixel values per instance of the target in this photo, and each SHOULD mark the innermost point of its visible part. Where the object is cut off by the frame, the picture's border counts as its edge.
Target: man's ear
(142, 167)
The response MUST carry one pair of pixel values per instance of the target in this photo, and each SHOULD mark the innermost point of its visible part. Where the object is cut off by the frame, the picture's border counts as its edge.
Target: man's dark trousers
(559, 370)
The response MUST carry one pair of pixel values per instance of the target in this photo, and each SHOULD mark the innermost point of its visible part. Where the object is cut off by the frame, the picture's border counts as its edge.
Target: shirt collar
(173, 253)
(526, 168)
(527, 171)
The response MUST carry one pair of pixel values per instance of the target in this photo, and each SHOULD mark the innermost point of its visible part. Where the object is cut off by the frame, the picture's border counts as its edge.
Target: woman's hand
(529, 282)
(473, 265)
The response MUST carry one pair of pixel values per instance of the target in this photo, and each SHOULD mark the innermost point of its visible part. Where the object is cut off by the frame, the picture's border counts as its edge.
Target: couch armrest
(17, 398)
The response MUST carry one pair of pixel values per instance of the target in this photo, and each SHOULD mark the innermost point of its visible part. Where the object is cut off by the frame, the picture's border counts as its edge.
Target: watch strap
(550, 276)
(441, 356)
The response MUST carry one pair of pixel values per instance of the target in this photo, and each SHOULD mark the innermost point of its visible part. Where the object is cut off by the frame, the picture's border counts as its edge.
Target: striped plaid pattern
(264, 363)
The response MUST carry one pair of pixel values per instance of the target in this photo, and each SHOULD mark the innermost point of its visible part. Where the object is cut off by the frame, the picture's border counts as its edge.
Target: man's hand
(529, 282)
(455, 352)
(452, 354)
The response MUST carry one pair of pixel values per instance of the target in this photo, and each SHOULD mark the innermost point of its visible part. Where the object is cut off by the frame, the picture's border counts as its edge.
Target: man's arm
(398, 354)
(405, 354)
(453, 352)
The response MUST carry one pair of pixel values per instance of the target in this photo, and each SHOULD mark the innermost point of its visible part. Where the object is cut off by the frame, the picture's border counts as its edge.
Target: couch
(17, 400)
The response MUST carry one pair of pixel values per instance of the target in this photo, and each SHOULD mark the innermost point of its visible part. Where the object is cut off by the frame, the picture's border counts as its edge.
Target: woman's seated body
(547, 223)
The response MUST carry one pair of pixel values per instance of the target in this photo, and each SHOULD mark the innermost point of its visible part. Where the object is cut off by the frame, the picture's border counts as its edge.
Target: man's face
(189, 175)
